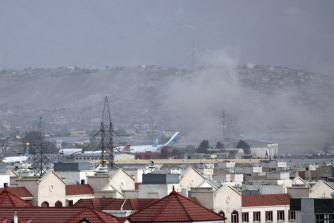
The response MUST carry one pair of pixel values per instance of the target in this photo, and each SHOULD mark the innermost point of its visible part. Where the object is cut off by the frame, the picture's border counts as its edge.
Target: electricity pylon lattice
(41, 163)
(106, 133)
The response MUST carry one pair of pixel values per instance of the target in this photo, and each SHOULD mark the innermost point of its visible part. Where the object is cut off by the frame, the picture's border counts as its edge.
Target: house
(321, 189)
(4, 176)
(116, 206)
(47, 191)
(158, 185)
(77, 192)
(55, 215)
(266, 208)
(190, 178)
(74, 173)
(111, 186)
(9, 199)
(20, 192)
(175, 208)
(226, 201)
(310, 210)
(15, 209)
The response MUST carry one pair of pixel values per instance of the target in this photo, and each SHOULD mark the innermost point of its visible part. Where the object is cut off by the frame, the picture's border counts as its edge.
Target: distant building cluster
(171, 190)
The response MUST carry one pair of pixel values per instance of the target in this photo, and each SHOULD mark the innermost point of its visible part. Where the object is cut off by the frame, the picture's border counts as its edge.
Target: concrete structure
(310, 210)
(190, 178)
(175, 208)
(76, 192)
(158, 185)
(74, 173)
(105, 185)
(265, 208)
(225, 201)
(47, 191)
(258, 148)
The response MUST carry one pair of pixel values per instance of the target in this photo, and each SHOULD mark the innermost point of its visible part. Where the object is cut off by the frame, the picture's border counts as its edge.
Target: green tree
(203, 147)
(244, 145)
(219, 145)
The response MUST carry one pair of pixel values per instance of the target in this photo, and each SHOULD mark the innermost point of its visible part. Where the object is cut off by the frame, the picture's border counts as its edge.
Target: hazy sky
(86, 33)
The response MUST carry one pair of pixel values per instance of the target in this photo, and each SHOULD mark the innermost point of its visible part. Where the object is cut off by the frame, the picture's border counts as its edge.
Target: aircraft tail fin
(156, 141)
(172, 140)
(27, 151)
(126, 147)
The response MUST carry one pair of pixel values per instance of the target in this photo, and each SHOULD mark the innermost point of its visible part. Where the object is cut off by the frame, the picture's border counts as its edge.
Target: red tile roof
(265, 200)
(8, 199)
(79, 189)
(18, 191)
(117, 203)
(174, 208)
(93, 215)
(57, 215)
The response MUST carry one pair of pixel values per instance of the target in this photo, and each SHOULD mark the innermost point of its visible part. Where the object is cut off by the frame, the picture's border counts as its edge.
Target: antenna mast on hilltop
(106, 132)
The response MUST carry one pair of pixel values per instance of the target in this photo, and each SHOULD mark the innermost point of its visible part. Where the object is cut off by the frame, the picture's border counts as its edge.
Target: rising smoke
(191, 102)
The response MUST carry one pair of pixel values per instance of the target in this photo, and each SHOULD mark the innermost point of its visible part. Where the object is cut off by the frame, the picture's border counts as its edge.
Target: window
(256, 216)
(324, 218)
(221, 213)
(280, 215)
(69, 203)
(269, 216)
(234, 217)
(292, 215)
(245, 217)
(5, 185)
(58, 204)
(82, 181)
(45, 204)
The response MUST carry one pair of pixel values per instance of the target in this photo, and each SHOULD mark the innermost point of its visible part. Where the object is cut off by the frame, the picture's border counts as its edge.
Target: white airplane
(128, 148)
(70, 151)
(149, 148)
(17, 159)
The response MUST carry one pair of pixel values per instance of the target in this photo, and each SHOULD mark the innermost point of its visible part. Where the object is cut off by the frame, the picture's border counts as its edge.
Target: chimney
(15, 220)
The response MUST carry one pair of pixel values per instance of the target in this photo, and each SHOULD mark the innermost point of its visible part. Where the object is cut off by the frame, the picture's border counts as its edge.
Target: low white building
(158, 185)
(273, 208)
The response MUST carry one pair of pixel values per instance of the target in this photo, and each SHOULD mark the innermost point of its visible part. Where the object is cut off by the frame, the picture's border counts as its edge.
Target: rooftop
(79, 189)
(8, 199)
(265, 200)
(174, 208)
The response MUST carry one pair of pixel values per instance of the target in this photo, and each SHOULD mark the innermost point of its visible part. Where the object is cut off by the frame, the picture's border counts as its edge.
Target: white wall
(263, 210)
(4, 178)
(156, 190)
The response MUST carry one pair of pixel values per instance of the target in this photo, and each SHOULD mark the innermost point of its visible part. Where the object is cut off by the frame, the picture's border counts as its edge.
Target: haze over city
(180, 65)
(132, 111)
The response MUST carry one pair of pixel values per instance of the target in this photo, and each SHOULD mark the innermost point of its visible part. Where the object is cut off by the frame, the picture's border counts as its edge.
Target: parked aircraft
(17, 159)
(70, 151)
(128, 148)
(150, 148)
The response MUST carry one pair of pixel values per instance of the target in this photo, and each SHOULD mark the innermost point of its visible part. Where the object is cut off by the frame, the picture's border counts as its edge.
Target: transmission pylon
(106, 132)
(41, 163)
